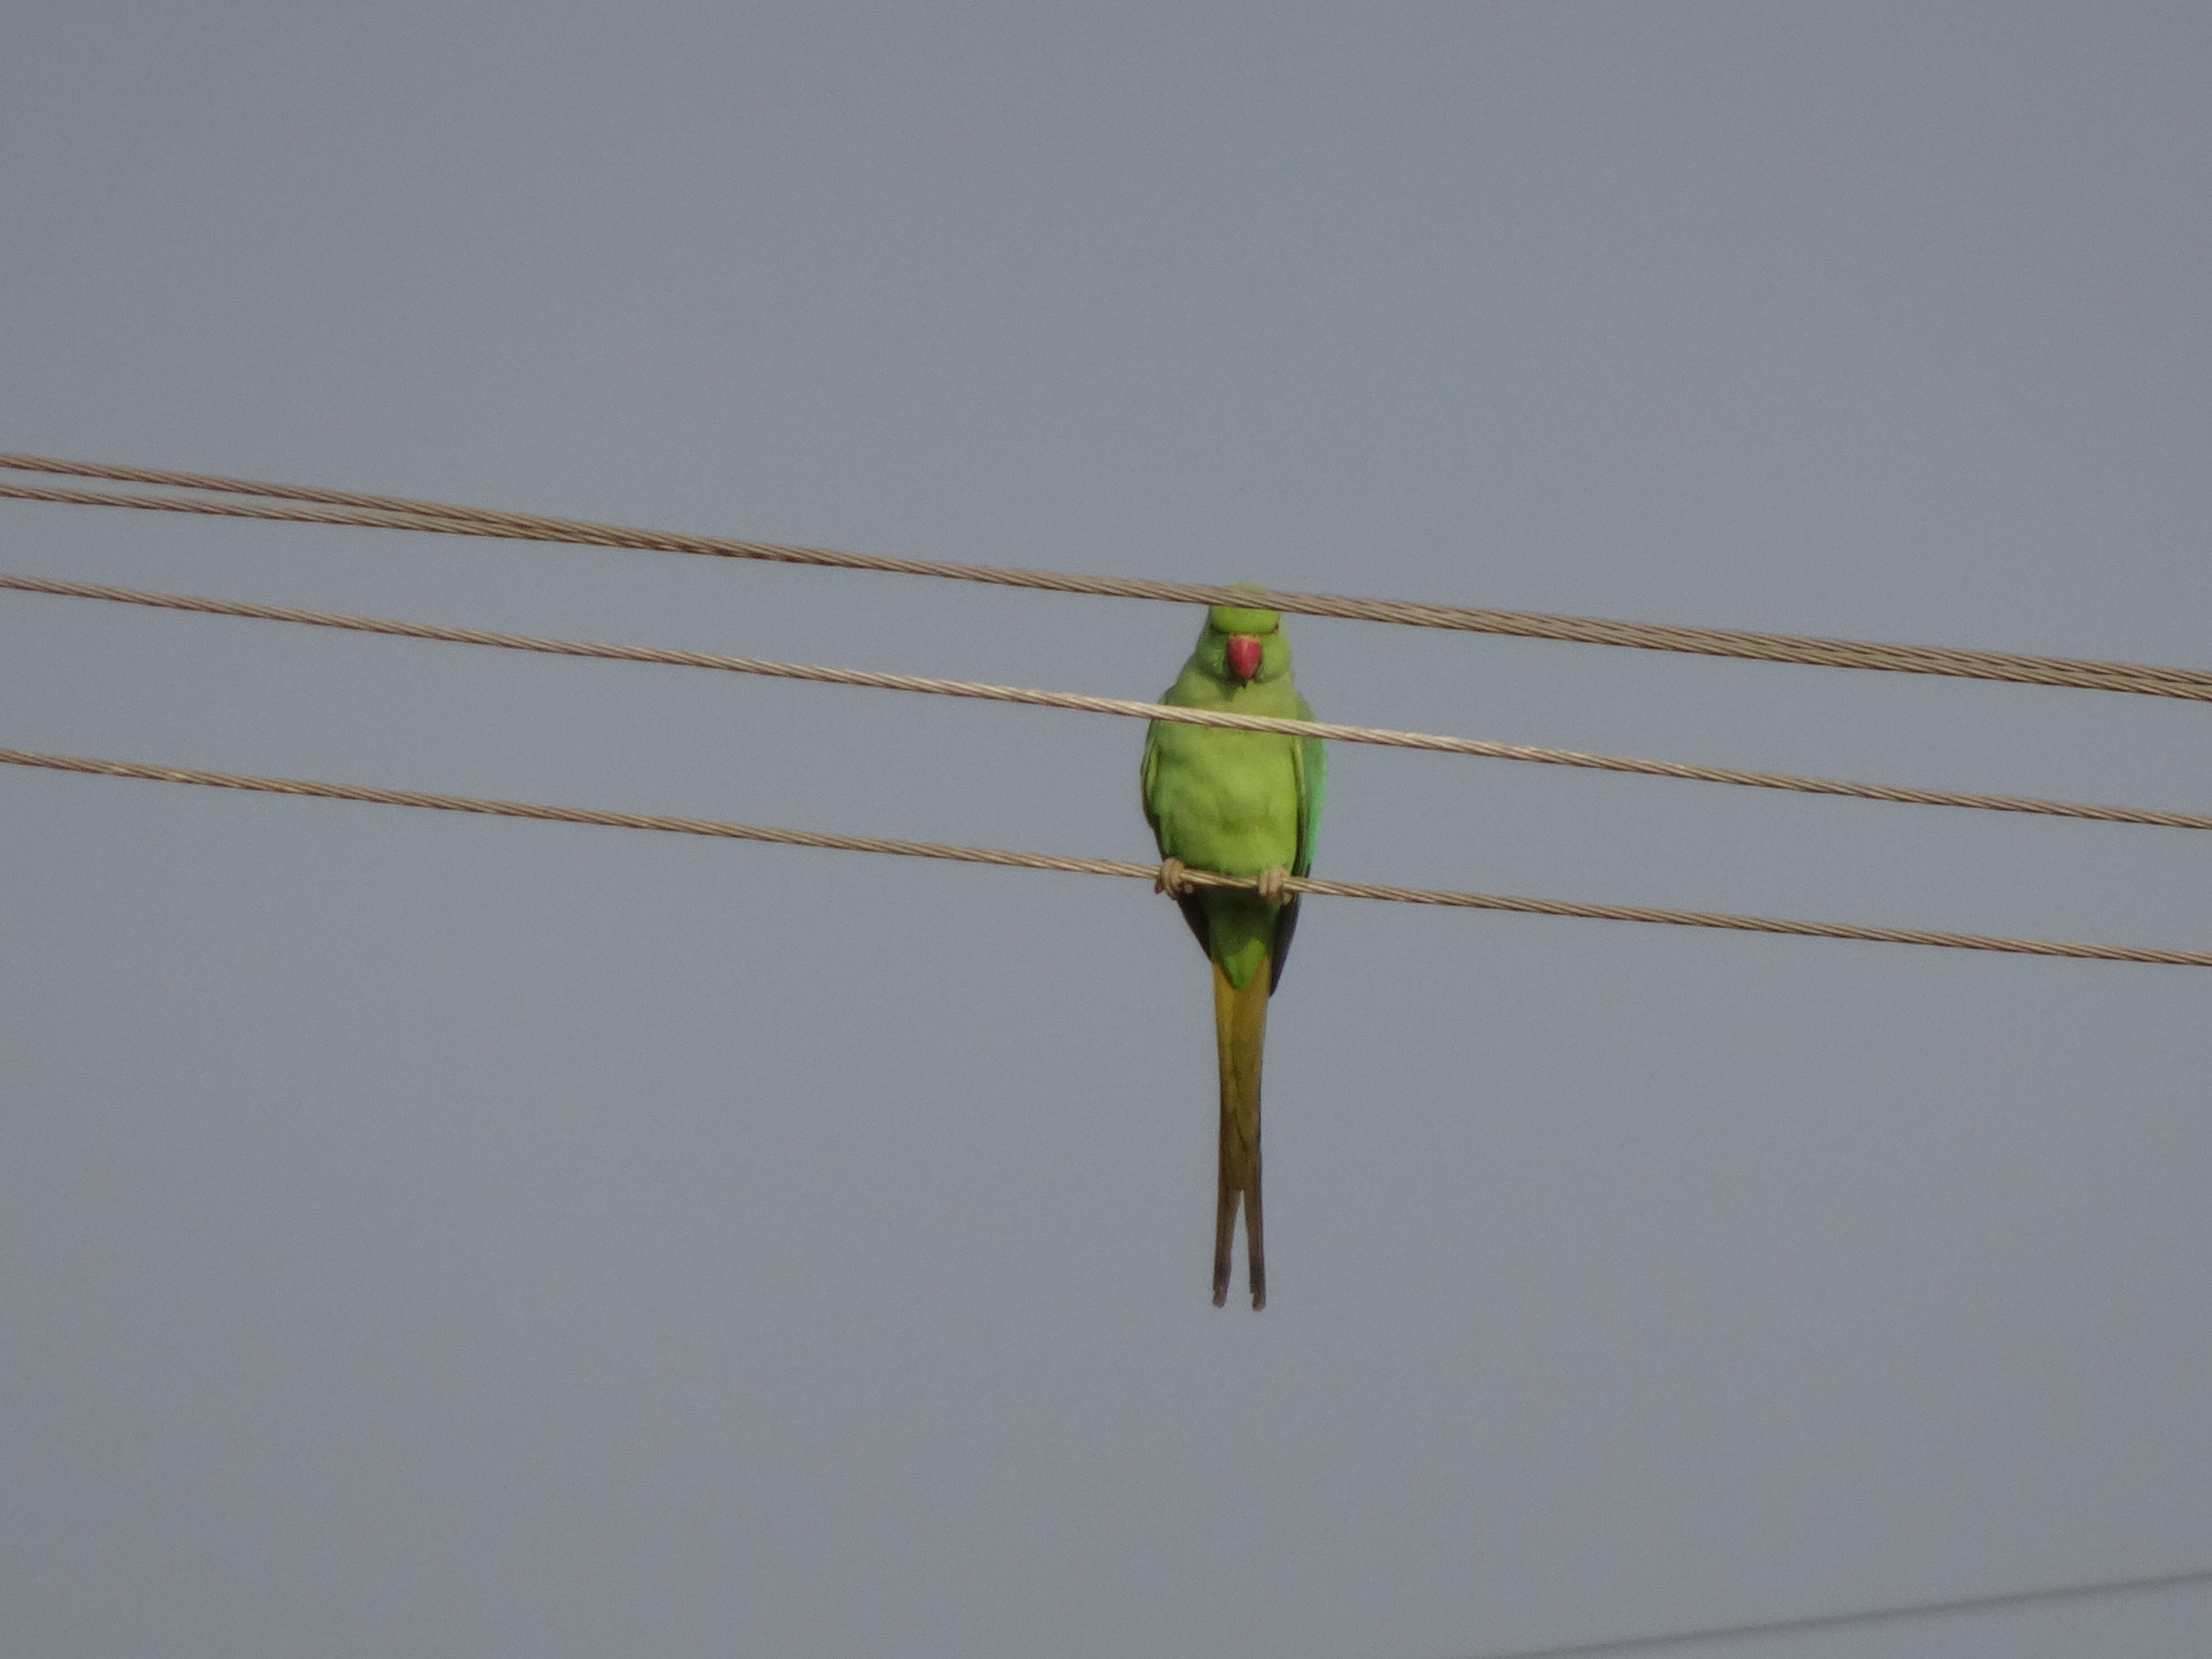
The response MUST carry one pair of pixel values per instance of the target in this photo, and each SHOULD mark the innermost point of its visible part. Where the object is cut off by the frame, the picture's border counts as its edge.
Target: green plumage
(1241, 803)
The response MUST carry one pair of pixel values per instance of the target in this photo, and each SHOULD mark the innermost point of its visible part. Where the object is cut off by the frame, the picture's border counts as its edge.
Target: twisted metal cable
(1913, 1612)
(1326, 730)
(1151, 873)
(307, 504)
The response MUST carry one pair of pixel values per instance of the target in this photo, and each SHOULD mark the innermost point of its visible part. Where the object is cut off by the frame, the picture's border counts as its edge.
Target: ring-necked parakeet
(1244, 803)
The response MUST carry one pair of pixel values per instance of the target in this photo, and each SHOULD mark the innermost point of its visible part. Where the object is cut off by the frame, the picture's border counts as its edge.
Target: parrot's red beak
(1243, 656)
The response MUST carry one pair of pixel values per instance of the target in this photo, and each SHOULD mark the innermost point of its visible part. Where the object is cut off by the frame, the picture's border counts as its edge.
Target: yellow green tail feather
(1240, 1027)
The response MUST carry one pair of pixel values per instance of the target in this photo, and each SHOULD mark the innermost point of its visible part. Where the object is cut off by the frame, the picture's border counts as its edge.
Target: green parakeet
(1243, 804)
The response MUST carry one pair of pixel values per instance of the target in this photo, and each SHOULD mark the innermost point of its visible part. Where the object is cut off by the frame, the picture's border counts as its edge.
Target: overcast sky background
(427, 1235)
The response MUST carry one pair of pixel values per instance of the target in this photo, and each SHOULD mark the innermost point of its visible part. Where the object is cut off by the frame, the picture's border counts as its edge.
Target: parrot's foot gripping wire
(1271, 883)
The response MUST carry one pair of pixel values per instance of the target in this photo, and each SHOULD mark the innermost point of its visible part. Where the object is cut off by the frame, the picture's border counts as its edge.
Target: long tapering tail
(1240, 1029)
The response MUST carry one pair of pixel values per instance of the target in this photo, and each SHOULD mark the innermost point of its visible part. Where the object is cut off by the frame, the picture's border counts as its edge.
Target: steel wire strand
(307, 504)
(1913, 1612)
(1130, 708)
(1156, 873)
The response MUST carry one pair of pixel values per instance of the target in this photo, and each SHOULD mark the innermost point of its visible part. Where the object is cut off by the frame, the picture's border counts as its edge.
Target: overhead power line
(1157, 873)
(1913, 1612)
(1327, 731)
(310, 505)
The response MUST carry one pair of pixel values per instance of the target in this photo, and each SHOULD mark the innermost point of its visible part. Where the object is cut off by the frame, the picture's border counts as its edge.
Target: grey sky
(430, 1236)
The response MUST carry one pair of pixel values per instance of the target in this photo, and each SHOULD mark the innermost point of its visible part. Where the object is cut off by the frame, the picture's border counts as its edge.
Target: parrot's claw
(1171, 879)
(1270, 883)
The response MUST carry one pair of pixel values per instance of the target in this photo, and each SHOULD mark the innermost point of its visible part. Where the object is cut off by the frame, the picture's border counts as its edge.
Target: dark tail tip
(1255, 1252)
(1224, 1239)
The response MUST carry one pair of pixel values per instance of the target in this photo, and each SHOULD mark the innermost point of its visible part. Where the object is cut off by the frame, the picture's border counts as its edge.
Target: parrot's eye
(1243, 655)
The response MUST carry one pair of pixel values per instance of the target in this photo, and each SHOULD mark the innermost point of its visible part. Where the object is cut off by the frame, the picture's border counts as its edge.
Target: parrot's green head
(1240, 646)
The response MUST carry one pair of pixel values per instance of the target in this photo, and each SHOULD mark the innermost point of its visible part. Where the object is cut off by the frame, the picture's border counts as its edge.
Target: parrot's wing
(1147, 774)
(1309, 763)
(1194, 913)
(1309, 766)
